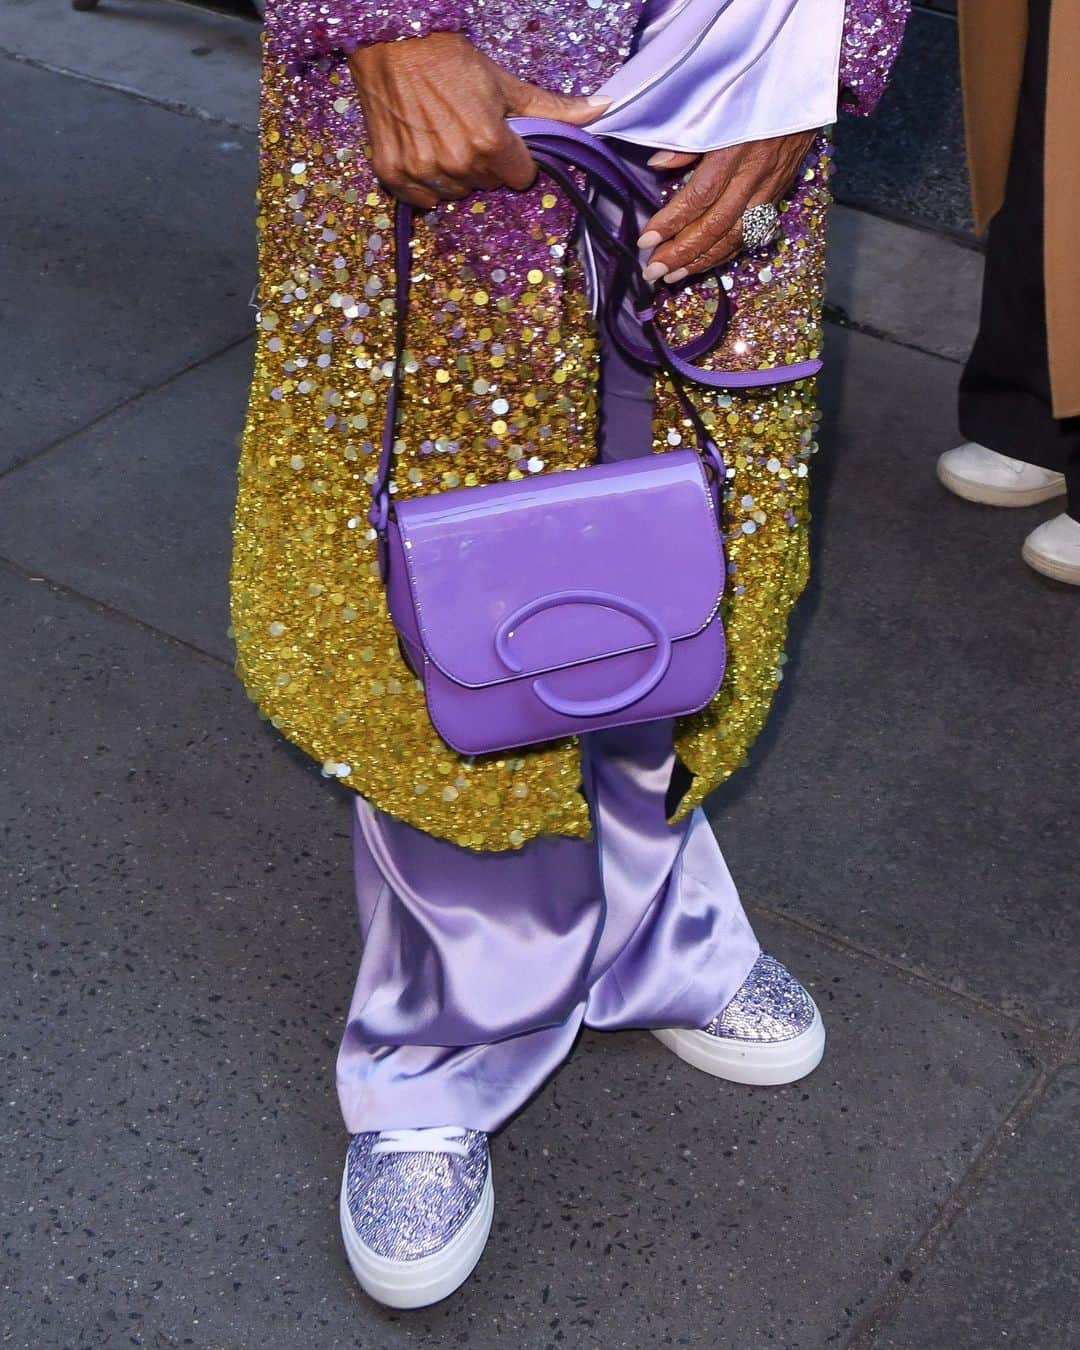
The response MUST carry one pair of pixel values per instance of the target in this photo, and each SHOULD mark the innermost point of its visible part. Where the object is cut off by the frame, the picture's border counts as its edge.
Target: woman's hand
(436, 110)
(702, 224)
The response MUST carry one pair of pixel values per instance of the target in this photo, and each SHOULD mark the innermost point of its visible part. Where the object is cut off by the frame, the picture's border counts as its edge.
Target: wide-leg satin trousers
(479, 969)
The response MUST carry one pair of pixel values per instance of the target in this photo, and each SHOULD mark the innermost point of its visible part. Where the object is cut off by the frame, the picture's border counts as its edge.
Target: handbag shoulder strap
(629, 301)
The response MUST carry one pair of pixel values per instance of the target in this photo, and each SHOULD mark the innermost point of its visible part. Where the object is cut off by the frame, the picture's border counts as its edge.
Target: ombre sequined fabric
(307, 29)
(771, 1005)
(872, 34)
(405, 1206)
(500, 384)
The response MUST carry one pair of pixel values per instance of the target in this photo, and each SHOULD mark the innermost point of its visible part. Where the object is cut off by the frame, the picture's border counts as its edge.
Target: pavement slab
(130, 260)
(181, 55)
(706, 1215)
(180, 947)
(916, 791)
(136, 511)
(907, 284)
(1008, 1273)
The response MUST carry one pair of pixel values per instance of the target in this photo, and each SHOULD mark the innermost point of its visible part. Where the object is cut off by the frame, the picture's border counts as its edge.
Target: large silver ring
(760, 225)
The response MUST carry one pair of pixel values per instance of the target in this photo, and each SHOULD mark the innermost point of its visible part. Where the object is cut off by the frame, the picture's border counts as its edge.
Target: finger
(423, 198)
(485, 180)
(772, 178)
(693, 242)
(691, 201)
(762, 172)
(422, 179)
(509, 161)
(698, 250)
(529, 100)
(401, 185)
(450, 187)
(722, 219)
(718, 236)
(728, 246)
(411, 176)
(671, 159)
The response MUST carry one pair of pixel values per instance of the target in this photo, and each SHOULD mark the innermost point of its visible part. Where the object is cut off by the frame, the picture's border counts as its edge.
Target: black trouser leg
(1005, 400)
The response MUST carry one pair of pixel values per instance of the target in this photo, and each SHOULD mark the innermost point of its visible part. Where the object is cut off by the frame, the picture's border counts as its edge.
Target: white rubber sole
(987, 495)
(1051, 567)
(761, 1064)
(416, 1284)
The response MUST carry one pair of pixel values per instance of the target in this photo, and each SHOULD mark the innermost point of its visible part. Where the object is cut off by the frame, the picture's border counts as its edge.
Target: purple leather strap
(379, 513)
(552, 142)
(630, 304)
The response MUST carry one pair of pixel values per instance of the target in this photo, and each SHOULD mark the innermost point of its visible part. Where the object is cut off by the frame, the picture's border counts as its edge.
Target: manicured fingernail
(661, 158)
(649, 239)
(654, 270)
(677, 275)
(598, 100)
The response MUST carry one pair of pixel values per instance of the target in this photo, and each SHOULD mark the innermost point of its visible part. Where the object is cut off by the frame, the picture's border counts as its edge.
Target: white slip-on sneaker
(416, 1209)
(770, 1033)
(981, 475)
(1053, 548)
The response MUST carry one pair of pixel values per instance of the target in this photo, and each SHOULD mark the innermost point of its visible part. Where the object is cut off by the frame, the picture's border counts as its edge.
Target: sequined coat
(501, 382)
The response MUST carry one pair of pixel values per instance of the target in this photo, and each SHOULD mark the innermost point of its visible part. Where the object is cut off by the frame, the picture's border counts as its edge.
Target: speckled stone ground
(176, 922)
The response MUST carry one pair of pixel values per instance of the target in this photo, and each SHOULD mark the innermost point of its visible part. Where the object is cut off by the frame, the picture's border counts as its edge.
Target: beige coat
(992, 39)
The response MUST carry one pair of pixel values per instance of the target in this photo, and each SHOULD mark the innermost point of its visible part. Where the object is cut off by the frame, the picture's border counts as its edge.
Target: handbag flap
(540, 574)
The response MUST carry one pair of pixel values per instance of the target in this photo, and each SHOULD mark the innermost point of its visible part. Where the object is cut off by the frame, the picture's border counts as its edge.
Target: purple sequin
(567, 45)
(312, 28)
(571, 45)
(873, 30)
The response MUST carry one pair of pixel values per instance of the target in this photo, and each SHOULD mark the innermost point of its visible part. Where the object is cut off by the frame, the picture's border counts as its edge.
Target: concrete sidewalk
(177, 913)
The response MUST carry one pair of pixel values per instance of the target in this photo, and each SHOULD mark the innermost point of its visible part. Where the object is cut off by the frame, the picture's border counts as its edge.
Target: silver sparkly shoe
(416, 1209)
(770, 1033)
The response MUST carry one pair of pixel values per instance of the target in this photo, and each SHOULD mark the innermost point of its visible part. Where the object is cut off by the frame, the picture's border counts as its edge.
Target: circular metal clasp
(595, 707)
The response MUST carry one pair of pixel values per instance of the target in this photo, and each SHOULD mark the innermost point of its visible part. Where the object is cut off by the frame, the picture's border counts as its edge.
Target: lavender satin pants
(478, 969)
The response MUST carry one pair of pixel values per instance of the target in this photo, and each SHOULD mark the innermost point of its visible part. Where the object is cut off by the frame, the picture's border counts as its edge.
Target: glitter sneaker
(416, 1209)
(770, 1033)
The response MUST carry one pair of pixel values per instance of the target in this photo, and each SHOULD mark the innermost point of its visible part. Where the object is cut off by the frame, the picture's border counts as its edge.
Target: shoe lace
(429, 1139)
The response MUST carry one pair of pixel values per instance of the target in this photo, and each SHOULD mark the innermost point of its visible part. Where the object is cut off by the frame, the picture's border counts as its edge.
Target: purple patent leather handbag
(568, 602)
